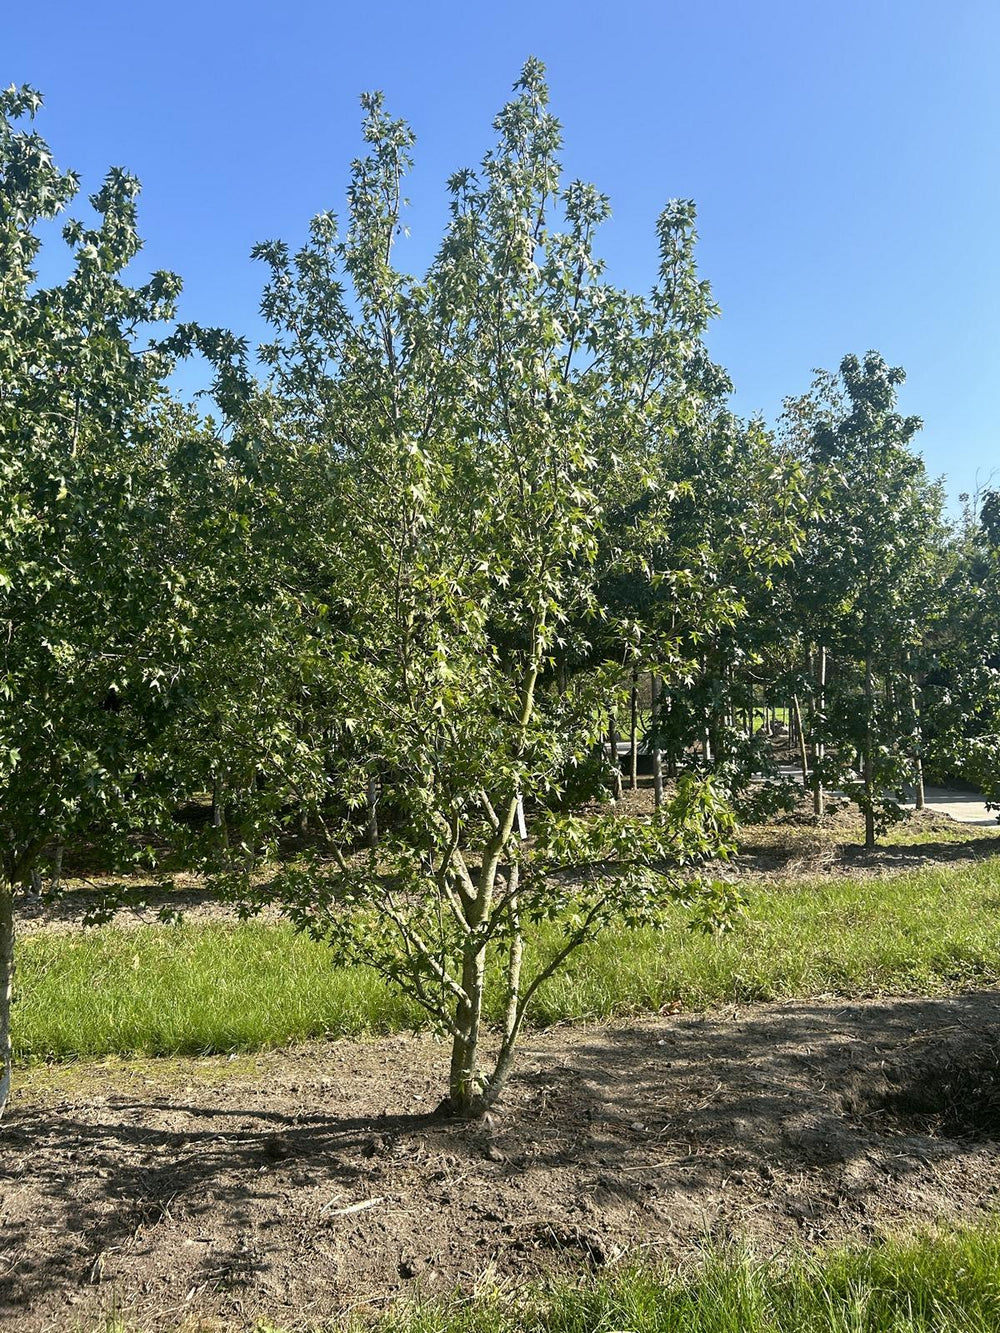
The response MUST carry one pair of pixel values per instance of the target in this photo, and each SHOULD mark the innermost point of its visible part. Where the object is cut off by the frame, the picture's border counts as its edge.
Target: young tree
(868, 583)
(451, 435)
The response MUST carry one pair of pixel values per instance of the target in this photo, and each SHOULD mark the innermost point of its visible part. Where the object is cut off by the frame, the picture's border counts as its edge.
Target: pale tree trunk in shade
(801, 736)
(57, 862)
(6, 985)
(869, 755)
(616, 768)
(819, 803)
(657, 756)
(371, 805)
(634, 732)
(918, 763)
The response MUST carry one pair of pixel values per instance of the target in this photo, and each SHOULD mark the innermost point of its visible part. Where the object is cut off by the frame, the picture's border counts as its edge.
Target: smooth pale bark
(6, 985)
(819, 803)
(657, 756)
(869, 755)
(616, 768)
(634, 733)
(918, 763)
(371, 805)
(801, 736)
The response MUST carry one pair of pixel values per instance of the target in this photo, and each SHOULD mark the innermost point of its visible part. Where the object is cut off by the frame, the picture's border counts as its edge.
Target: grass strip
(203, 988)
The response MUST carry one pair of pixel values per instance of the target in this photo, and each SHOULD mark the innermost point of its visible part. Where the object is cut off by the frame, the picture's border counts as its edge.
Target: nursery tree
(453, 435)
(93, 626)
(867, 582)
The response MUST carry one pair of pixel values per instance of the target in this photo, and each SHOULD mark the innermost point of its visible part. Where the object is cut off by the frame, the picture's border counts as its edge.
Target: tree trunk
(465, 1084)
(869, 755)
(616, 768)
(918, 762)
(634, 733)
(6, 985)
(801, 737)
(657, 757)
(371, 805)
(819, 803)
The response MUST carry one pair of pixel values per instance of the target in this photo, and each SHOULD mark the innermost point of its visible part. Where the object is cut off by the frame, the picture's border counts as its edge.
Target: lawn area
(221, 987)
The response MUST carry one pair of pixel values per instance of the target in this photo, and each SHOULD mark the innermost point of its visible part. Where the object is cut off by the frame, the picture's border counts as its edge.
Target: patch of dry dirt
(319, 1179)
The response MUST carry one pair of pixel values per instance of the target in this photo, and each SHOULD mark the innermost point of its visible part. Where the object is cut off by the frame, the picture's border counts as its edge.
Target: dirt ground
(303, 1183)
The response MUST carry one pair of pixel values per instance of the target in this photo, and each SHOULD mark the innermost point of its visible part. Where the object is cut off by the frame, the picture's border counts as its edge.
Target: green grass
(943, 1284)
(202, 988)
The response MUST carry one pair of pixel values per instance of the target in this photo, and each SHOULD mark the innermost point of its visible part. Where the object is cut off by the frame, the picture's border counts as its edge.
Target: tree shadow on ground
(811, 1119)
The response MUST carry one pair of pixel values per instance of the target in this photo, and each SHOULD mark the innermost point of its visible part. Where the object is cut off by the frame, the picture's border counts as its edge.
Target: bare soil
(307, 1182)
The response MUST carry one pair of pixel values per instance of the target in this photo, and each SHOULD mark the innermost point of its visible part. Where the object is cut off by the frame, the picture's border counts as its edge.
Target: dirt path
(307, 1182)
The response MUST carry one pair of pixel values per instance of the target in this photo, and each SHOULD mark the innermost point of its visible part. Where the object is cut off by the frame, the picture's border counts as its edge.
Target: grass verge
(203, 988)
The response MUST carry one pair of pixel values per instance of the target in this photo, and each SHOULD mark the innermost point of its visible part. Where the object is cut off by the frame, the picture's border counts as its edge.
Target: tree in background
(95, 627)
(868, 582)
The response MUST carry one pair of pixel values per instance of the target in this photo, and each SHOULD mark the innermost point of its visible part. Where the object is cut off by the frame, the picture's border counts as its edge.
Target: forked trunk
(6, 985)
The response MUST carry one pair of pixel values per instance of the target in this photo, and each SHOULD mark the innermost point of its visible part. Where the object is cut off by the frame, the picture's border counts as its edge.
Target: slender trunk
(57, 864)
(616, 768)
(869, 755)
(634, 733)
(918, 762)
(6, 985)
(706, 725)
(819, 804)
(657, 757)
(514, 959)
(801, 736)
(218, 799)
(465, 1084)
(371, 806)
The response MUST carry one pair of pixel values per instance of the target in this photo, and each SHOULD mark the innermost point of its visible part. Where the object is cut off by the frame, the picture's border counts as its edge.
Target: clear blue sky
(843, 156)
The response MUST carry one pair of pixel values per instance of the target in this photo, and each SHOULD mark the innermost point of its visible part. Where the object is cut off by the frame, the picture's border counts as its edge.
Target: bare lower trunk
(465, 1084)
(869, 756)
(57, 863)
(616, 768)
(371, 805)
(634, 733)
(6, 985)
(819, 804)
(801, 736)
(657, 756)
(918, 763)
